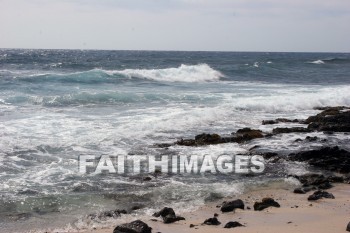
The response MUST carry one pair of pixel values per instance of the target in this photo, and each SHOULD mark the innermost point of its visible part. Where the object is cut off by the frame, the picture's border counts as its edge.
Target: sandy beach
(296, 214)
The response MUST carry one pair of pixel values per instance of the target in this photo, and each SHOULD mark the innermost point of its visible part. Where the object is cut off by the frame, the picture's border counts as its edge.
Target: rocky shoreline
(277, 210)
(334, 160)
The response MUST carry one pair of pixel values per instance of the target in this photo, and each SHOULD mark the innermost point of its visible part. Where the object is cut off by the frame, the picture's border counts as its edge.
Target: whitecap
(319, 62)
(183, 73)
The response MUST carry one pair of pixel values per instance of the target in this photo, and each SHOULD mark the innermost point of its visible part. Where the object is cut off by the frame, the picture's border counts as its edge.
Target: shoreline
(296, 214)
(304, 210)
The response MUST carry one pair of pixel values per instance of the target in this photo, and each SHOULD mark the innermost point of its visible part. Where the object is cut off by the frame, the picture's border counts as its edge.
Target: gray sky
(223, 25)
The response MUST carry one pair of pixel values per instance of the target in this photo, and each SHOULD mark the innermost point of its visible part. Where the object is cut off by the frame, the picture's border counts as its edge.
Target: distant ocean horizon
(57, 105)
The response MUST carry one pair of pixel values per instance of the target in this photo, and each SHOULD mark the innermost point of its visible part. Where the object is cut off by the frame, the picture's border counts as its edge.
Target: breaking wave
(183, 73)
(316, 62)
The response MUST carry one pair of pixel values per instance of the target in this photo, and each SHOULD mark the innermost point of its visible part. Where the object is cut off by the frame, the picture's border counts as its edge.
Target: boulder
(348, 227)
(299, 191)
(208, 139)
(232, 205)
(247, 134)
(265, 203)
(291, 130)
(312, 179)
(332, 119)
(212, 221)
(320, 194)
(168, 215)
(233, 225)
(328, 158)
(133, 227)
(281, 120)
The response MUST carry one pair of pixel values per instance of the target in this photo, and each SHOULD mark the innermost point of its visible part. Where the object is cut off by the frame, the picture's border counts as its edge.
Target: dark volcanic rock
(247, 134)
(242, 135)
(168, 215)
(299, 191)
(311, 139)
(233, 225)
(212, 221)
(266, 202)
(320, 194)
(334, 119)
(201, 139)
(164, 212)
(137, 207)
(281, 120)
(163, 145)
(133, 227)
(291, 130)
(348, 227)
(208, 138)
(232, 205)
(186, 142)
(329, 158)
(147, 178)
(312, 179)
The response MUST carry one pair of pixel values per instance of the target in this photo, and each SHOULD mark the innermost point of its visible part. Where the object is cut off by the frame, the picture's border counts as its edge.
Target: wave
(332, 60)
(183, 73)
(316, 62)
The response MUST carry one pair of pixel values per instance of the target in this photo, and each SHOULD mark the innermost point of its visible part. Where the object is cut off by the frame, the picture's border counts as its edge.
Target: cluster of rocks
(331, 119)
(168, 215)
(334, 159)
(329, 158)
(317, 182)
(242, 135)
(214, 221)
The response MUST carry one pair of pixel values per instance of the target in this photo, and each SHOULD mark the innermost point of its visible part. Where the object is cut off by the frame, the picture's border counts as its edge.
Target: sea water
(57, 105)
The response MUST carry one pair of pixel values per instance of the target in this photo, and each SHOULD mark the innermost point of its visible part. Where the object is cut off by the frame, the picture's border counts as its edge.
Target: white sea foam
(184, 73)
(319, 62)
(289, 100)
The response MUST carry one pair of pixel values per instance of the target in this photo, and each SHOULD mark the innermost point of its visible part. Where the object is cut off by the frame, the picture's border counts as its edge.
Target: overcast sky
(221, 25)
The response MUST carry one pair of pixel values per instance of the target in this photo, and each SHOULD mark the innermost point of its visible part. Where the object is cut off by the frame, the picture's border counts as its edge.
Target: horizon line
(170, 50)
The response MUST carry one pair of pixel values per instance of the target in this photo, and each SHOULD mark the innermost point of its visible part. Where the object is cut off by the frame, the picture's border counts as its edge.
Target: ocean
(57, 105)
